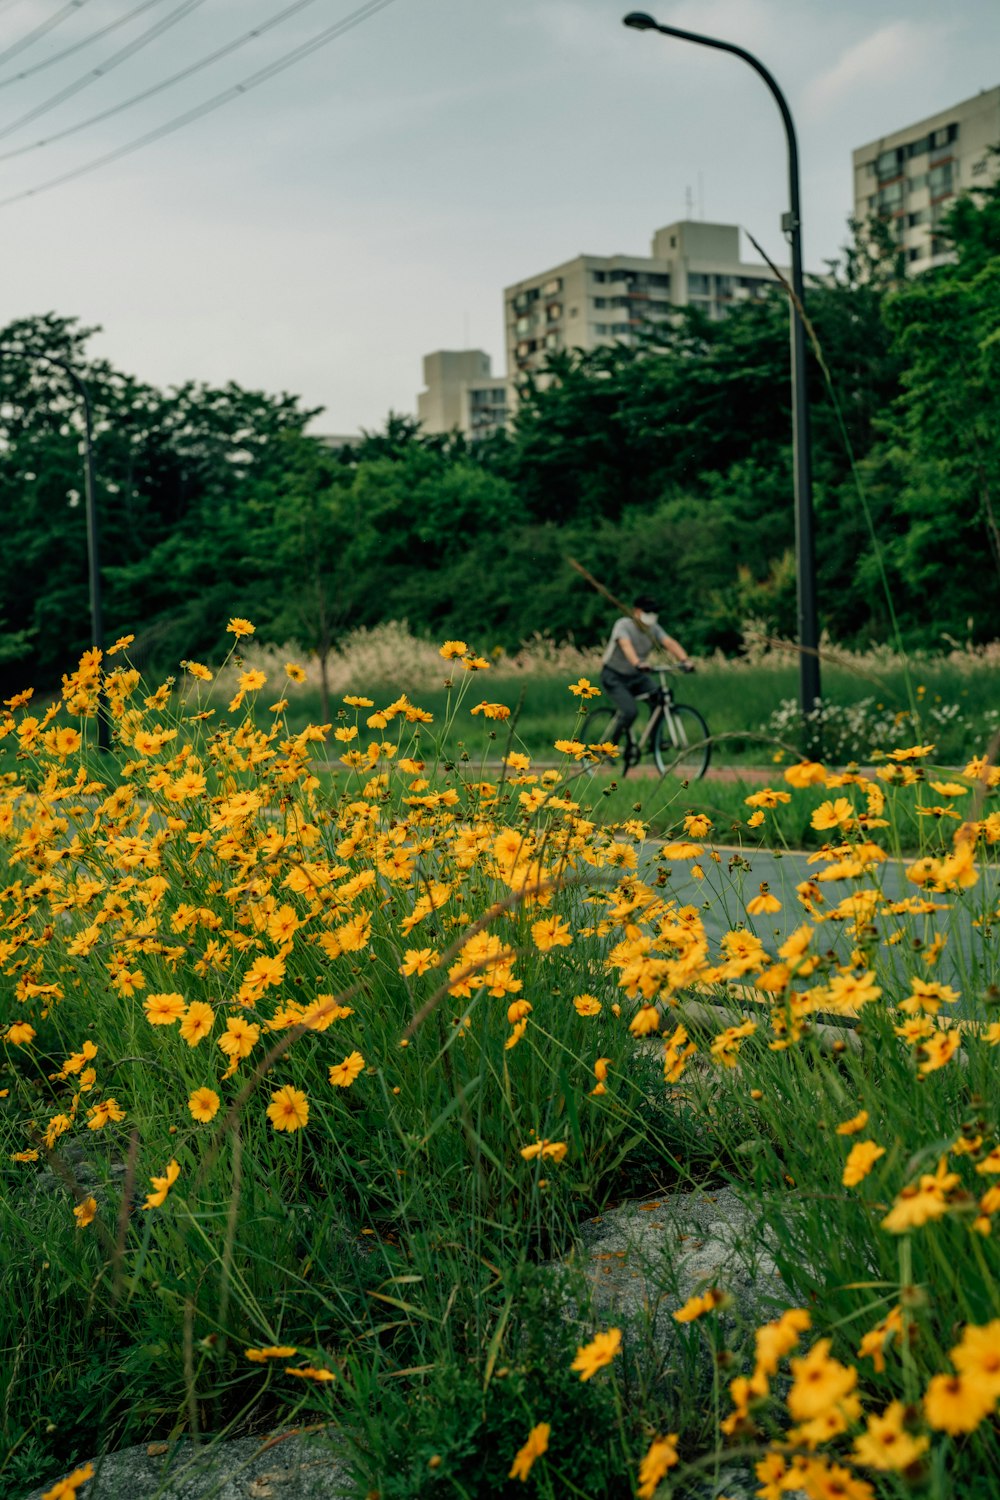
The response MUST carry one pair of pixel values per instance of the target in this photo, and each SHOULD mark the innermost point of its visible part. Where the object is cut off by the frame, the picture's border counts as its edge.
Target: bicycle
(676, 733)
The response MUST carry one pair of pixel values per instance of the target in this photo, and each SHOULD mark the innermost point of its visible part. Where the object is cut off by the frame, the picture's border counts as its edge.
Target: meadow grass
(309, 1081)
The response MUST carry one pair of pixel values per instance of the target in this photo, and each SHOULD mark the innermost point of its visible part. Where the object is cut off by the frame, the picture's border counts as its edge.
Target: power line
(87, 41)
(158, 88)
(43, 29)
(298, 54)
(129, 50)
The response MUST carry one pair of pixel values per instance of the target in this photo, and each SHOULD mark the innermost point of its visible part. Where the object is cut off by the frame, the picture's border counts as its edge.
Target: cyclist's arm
(629, 652)
(676, 650)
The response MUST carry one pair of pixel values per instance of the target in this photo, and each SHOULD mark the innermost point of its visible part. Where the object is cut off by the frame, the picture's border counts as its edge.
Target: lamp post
(805, 547)
(93, 540)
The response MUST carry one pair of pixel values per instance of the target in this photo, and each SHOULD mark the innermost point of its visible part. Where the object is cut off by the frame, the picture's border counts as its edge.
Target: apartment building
(604, 299)
(912, 176)
(462, 394)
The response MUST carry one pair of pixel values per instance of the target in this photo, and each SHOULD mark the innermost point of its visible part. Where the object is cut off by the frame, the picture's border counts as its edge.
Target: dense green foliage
(664, 466)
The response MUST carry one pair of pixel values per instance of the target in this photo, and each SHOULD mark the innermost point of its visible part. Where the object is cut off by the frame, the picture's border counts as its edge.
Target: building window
(939, 179)
(916, 183)
(917, 148)
(552, 287)
(888, 163)
(699, 285)
(553, 312)
(891, 195)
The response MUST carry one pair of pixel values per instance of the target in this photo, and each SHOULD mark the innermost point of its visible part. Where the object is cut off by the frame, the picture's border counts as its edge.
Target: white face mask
(646, 618)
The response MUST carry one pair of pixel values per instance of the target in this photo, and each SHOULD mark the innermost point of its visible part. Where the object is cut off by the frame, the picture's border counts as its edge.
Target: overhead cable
(87, 41)
(158, 88)
(122, 55)
(289, 59)
(43, 29)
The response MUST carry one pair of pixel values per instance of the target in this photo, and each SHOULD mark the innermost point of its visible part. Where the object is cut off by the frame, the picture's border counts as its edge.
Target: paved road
(969, 960)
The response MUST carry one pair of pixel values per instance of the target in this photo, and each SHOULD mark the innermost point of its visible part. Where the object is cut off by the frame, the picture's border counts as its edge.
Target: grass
(308, 1081)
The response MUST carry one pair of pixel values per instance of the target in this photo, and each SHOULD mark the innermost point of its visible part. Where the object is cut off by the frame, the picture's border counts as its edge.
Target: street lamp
(791, 223)
(93, 542)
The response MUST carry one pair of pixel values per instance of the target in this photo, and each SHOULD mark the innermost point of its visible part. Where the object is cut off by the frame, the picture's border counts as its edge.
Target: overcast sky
(323, 231)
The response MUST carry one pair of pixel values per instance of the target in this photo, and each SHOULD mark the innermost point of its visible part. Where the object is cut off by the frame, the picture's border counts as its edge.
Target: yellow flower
(239, 1038)
(773, 1341)
(66, 1489)
(239, 627)
(836, 814)
(288, 1109)
(343, 1074)
(536, 1445)
(164, 1010)
(977, 1356)
(551, 932)
(309, 1372)
(599, 1352)
(587, 1005)
(755, 819)
(120, 644)
(957, 1403)
(555, 1149)
(84, 1212)
(250, 681)
(418, 961)
(660, 1456)
(162, 1185)
(819, 1383)
(294, 671)
(861, 1158)
(203, 1105)
(99, 1114)
(584, 688)
(20, 1034)
(852, 1126)
(938, 1050)
(806, 773)
(197, 1023)
(197, 670)
(491, 710)
(764, 903)
(767, 797)
(451, 649)
(271, 1351)
(696, 1307)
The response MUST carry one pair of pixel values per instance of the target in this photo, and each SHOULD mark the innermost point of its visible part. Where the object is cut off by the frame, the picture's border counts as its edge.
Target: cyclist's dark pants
(622, 688)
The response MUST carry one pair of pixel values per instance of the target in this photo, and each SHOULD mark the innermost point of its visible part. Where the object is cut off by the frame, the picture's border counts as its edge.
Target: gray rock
(282, 1466)
(649, 1257)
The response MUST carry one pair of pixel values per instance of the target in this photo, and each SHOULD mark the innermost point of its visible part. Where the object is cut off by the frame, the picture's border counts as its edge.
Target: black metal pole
(805, 541)
(93, 539)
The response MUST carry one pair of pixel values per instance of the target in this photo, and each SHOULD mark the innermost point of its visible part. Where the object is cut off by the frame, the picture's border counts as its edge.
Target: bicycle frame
(661, 704)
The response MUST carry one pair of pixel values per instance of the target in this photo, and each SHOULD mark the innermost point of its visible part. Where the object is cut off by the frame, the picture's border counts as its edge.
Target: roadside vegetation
(308, 1082)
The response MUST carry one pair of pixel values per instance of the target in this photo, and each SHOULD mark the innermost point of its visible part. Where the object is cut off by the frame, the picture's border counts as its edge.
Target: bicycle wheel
(595, 732)
(681, 744)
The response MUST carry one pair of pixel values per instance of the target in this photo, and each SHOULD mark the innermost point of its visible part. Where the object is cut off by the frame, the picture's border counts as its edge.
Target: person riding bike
(623, 678)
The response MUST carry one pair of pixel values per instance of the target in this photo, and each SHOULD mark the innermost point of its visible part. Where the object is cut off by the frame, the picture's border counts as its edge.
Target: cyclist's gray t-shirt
(643, 638)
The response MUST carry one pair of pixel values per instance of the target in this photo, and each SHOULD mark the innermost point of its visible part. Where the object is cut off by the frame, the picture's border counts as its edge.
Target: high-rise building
(912, 177)
(603, 299)
(462, 394)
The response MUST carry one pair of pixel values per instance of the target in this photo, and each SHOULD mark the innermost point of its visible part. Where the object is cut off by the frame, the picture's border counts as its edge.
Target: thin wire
(123, 53)
(156, 88)
(43, 29)
(95, 36)
(340, 28)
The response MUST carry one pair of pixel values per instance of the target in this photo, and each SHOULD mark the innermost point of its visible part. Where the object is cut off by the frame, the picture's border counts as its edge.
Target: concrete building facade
(912, 176)
(604, 299)
(462, 394)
